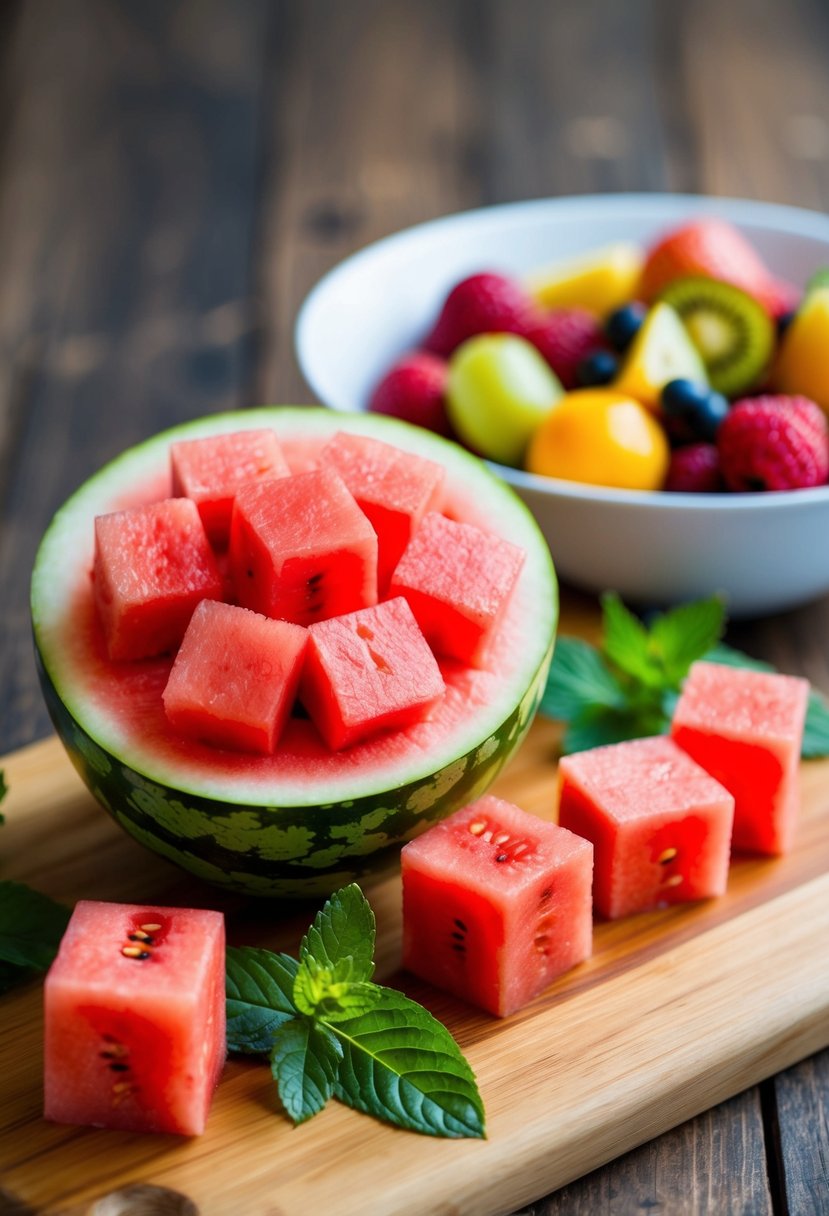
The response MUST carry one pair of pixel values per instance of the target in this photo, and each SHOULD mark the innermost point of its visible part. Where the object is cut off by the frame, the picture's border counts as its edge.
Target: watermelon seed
(115, 1049)
(477, 827)
(457, 935)
(461, 925)
(667, 856)
(140, 936)
(501, 838)
(546, 895)
(502, 857)
(115, 1066)
(459, 946)
(150, 928)
(673, 881)
(134, 952)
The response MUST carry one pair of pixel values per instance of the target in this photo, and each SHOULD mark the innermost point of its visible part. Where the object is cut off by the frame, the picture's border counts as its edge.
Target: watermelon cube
(496, 904)
(393, 488)
(134, 1034)
(235, 677)
(210, 471)
(301, 549)
(368, 671)
(153, 565)
(746, 728)
(660, 825)
(458, 580)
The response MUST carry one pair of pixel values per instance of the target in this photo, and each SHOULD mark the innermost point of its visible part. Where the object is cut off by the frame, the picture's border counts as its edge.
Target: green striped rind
(290, 851)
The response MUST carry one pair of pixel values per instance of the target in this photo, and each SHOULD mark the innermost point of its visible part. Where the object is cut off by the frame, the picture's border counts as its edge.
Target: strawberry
(565, 337)
(774, 443)
(483, 303)
(695, 469)
(414, 389)
(715, 249)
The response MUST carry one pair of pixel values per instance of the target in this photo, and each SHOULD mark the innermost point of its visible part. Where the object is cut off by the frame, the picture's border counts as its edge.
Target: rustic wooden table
(174, 177)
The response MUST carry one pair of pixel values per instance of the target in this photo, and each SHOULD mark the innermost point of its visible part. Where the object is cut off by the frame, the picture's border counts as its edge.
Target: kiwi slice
(731, 330)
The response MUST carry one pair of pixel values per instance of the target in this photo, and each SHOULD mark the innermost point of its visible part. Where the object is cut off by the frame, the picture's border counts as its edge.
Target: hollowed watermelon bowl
(305, 820)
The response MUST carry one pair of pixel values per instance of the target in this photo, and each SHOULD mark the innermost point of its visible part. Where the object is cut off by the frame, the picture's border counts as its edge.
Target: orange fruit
(601, 437)
(802, 368)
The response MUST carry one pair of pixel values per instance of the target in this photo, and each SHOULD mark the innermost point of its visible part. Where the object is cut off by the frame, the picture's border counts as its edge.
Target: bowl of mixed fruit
(649, 372)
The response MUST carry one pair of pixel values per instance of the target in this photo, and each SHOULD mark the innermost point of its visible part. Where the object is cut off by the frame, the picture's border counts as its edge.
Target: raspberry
(414, 389)
(774, 443)
(482, 304)
(566, 337)
(695, 469)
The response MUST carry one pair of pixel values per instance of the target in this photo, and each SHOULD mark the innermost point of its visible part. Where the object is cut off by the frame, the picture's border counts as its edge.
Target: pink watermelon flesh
(394, 490)
(496, 904)
(746, 729)
(458, 580)
(368, 671)
(659, 824)
(211, 471)
(301, 549)
(135, 1018)
(235, 676)
(153, 565)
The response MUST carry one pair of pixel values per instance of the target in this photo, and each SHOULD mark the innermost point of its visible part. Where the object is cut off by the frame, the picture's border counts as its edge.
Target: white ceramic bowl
(763, 552)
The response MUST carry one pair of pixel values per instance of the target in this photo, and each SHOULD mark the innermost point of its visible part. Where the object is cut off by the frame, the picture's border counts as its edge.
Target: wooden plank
(677, 1011)
(127, 211)
(803, 1135)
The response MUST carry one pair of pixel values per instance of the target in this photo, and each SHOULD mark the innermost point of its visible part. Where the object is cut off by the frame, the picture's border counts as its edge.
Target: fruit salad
(686, 366)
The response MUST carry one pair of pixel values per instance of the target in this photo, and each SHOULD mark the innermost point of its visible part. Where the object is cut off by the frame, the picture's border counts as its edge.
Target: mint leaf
(259, 987)
(625, 642)
(579, 678)
(304, 1063)
(31, 926)
(401, 1065)
(679, 637)
(331, 993)
(344, 928)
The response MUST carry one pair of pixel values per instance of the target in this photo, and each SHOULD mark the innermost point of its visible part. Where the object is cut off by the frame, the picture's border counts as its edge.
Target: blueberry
(598, 368)
(622, 326)
(784, 321)
(695, 406)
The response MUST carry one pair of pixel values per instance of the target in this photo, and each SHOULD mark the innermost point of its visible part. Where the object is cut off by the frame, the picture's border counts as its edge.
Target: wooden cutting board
(676, 1011)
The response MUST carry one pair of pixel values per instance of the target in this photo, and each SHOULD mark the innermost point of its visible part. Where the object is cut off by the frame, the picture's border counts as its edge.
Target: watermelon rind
(252, 828)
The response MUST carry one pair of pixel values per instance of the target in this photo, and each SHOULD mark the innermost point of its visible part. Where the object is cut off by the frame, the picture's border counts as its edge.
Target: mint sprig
(31, 926)
(627, 687)
(330, 1031)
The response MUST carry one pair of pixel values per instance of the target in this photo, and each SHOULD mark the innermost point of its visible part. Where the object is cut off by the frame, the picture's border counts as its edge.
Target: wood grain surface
(676, 1010)
(174, 177)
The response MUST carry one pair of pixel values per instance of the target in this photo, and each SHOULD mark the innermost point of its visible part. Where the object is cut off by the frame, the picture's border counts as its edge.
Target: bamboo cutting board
(676, 1011)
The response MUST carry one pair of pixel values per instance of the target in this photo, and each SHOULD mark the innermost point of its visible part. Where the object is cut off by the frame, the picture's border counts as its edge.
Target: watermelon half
(304, 820)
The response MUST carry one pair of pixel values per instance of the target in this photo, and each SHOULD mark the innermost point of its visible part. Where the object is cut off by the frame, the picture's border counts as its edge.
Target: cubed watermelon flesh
(394, 489)
(301, 549)
(212, 469)
(458, 580)
(235, 677)
(135, 1018)
(745, 727)
(659, 824)
(153, 564)
(368, 671)
(496, 904)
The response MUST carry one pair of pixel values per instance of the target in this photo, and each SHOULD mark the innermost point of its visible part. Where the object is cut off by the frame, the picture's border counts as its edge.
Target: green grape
(499, 390)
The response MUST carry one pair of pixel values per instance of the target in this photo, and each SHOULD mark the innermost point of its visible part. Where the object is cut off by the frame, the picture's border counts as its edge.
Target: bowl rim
(783, 218)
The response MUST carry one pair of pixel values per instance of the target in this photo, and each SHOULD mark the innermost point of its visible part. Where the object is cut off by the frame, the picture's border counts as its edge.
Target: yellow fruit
(661, 351)
(601, 437)
(802, 366)
(600, 280)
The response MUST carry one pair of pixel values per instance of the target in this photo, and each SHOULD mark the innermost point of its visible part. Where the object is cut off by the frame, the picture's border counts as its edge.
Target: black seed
(457, 935)
(314, 579)
(461, 925)
(116, 1067)
(502, 857)
(461, 949)
(140, 937)
(249, 573)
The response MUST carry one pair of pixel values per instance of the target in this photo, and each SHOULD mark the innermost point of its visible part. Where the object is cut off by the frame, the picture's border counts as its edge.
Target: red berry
(414, 389)
(482, 304)
(713, 248)
(565, 337)
(774, 443)
(695, 469)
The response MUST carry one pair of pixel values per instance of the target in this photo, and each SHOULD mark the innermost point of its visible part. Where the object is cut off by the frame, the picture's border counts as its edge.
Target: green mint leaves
(31, 926)
(330, 1031)
(628, 687)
